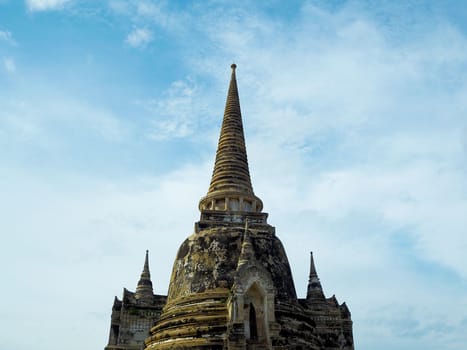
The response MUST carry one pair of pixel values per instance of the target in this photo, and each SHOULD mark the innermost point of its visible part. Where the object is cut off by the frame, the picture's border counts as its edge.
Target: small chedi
(231, 286)
(134, 315)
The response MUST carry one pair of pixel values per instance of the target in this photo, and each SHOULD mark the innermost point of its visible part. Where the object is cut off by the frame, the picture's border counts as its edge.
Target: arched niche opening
(255, 315)
(253, 326)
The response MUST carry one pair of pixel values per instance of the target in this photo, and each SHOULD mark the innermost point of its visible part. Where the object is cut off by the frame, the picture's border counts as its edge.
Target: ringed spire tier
(144, 291)
(230, 188)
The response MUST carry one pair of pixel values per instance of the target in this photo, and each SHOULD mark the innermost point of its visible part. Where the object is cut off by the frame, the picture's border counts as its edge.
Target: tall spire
(144, 289)
(230, 188)
(314, 285)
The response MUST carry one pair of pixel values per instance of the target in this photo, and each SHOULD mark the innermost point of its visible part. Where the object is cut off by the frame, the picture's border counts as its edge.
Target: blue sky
(356, 130)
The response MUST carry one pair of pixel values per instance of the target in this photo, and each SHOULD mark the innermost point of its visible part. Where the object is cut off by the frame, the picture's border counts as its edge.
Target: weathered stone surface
(207, 260)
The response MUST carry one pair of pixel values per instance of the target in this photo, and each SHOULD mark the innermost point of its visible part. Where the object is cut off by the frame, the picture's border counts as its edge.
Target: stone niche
(251, 309)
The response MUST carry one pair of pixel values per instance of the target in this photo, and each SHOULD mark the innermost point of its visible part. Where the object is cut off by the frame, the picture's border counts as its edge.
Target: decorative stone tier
(297, 329)
(213, 218)
(231, 201)
(197, 320)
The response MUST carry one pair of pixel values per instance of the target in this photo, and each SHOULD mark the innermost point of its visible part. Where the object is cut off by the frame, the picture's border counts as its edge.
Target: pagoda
(231, 286)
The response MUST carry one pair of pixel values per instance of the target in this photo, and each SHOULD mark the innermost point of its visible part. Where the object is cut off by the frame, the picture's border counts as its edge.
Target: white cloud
(148, 9)
(179, 114)
(151, 13)
(139, 37)
(7, 37)
(45, 5)
(9, 64)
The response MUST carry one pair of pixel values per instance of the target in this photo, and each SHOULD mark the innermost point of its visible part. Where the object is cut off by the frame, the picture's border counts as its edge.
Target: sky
(355, 116)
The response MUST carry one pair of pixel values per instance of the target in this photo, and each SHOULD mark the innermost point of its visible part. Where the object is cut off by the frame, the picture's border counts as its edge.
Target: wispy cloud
(7, 37)
(45, 5)
(9, 64)
(178, 114)
(139, 37)
(152, 14)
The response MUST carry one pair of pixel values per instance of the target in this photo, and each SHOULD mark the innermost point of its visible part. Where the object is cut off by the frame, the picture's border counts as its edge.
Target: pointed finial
(314, 290)
(230, 188)
(146, 261)
(312, 267)
(144, 289)
(247, 252)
